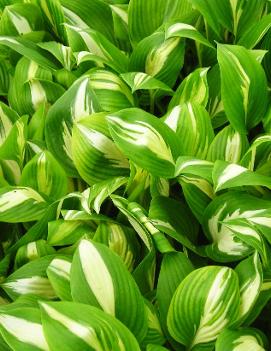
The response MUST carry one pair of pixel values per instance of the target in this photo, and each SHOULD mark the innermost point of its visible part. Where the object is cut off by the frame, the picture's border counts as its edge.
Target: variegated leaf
(22, 329)
(229, 175)
(21, 204)
(69, 326)
(205, 303)
(95, 155)
(148, 142)
(194, 88)
(192, 124)
(184, 30)
(44, 174)
(30, 279)
(32, 251)
(77, 102)
(243, 87)
(58, 272)
(100, 278)
(241, 340)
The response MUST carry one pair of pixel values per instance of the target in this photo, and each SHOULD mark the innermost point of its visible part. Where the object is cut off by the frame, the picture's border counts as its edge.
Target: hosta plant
(135, 175)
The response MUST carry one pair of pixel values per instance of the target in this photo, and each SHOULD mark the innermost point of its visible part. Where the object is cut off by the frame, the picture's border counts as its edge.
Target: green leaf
(217, 14)
(205, 303)
(175, 267)
(254, 34)
(30, 50)
(45, 175)
(192, 124)
(20, 204)
(175, 219)
(243, 87)
(148, 142)
(108, 286)
(69, 326)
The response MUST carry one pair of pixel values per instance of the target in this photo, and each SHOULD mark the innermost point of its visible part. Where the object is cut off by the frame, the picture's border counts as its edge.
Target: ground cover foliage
(135, 175)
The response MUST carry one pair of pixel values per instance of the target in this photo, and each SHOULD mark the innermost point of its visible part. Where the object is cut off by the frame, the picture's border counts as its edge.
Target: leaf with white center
(192, 124)
(175, 267)
(195, 177)
(13, 147)
(243, 87)
(22, 329)
(145, 140)
(31, 278)
(20, 19)
(194, 88)
(205, 303)
(225, 245)
(100, 278)
(243, 339)
(70, 326)
(184, 30)
(62, 232)
(58, 273)
(95, 154)
(111, 91)
(20, 204)
(61, 52)
(77, 102)
(175, 219)
(143, 81)
(228, 145)
(91, 45)
(158, 57)
(100, 191)
(120, 239)
(44, 174)
(7, 118)
(229, 175)
(250, 276)
(32, 251)
(251, 235)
